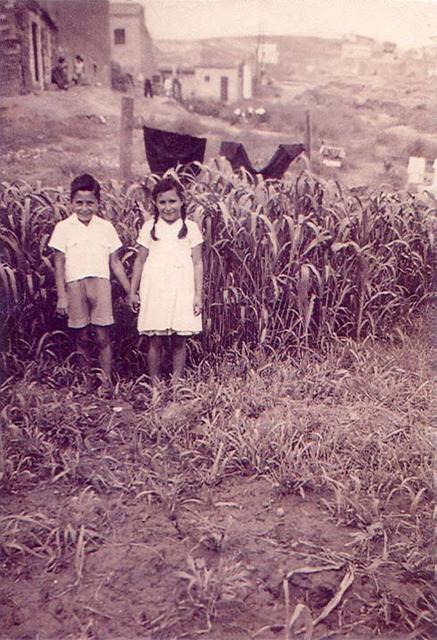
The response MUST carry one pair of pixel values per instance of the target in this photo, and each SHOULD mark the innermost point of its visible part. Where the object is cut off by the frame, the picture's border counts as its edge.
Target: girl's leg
(154, 358)
(179, 355)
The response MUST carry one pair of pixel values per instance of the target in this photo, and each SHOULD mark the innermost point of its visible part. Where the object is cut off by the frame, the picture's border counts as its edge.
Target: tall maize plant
(286, 265)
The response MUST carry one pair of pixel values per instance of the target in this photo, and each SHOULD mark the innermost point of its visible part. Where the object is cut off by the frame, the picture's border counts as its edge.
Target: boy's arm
(196, 254)
(117, 269)
(61, 306)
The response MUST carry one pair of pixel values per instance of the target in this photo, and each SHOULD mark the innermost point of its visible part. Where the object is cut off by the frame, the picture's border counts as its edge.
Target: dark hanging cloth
(165, 150)
(237, 156)
(274, 169)
(281, 160)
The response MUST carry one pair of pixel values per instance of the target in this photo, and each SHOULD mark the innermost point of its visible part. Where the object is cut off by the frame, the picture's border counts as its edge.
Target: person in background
(168, 84)
(78, 70)
(60, 74)
(177, 89)
(148, 88)
(86, 251)
(169, 272)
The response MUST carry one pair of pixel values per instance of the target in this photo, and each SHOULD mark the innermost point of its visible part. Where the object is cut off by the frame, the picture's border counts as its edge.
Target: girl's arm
(117, 269)
(196, 254)
(61, 306)
(136, 276)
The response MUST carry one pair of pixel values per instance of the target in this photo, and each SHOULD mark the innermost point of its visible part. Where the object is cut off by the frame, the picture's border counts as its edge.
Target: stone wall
(27, 43)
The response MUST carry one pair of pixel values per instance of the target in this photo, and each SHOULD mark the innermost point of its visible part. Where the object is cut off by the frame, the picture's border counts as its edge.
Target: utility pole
(126, 129)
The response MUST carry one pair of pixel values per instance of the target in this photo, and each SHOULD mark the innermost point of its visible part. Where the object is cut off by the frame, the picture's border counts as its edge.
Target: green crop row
(286, 265)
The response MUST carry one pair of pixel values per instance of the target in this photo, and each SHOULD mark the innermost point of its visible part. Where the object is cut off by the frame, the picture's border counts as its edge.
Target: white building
(131, 44)
(355, 47)
(267, 53)
(222, 83)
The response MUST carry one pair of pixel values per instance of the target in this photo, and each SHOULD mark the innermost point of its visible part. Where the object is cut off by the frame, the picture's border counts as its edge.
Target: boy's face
(84, 205)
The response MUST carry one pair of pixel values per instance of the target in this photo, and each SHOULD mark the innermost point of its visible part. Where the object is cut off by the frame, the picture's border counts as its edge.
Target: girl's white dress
(167, 281)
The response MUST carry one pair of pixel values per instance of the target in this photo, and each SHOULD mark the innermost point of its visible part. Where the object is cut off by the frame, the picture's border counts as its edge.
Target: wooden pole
(126, 128)
(308, 134)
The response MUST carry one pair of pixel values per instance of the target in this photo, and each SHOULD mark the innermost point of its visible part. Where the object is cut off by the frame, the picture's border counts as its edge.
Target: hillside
(292, 50)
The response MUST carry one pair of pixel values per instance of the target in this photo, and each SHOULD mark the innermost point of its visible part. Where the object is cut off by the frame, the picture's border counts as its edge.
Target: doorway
(35, 51)
(224, 88)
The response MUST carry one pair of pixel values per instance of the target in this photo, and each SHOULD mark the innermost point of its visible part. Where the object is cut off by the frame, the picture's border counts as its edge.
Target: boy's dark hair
(167, 184)
(85, 182)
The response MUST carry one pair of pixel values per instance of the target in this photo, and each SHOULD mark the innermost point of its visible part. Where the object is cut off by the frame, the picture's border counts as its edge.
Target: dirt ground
(96, 555)
(131, 577)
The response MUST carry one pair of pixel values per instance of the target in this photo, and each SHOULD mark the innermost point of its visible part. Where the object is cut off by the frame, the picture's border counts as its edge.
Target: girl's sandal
(156, 397)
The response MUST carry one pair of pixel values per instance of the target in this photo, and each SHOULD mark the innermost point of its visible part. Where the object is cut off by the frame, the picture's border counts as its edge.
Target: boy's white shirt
(86, 247)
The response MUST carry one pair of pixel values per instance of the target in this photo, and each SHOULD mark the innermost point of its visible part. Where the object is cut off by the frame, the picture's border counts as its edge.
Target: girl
(170, 268)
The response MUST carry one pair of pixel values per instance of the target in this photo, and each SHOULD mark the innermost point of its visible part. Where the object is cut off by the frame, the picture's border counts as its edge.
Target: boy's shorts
(89, 302)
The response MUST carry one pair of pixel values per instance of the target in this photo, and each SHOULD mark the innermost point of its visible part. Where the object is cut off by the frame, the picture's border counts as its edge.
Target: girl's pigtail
(155, 220)
(183, 230)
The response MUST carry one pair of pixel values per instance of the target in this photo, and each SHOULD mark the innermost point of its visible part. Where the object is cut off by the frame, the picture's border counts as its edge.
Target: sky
(409, 23)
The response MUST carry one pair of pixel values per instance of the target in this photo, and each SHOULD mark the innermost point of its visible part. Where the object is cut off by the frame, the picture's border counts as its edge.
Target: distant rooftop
(126, 9)
(218, 65)
(215, 56)
(32, 5)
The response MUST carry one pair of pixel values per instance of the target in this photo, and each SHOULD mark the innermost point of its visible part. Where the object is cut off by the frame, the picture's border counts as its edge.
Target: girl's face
(169, 205)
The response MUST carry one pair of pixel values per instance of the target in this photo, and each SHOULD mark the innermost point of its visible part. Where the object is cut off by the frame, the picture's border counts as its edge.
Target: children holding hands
(168, 272)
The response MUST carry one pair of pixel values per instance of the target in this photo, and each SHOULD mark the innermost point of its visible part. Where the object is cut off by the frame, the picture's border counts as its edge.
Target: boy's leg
(179, 355)
(98, 291)
(154, 358)
(82, 342)
(103, 336)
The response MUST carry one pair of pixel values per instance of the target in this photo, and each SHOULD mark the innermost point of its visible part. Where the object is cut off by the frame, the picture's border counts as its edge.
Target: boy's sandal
(105, 391)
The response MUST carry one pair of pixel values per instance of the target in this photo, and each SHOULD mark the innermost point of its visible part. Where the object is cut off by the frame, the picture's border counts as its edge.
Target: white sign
(332, 156)
(416, 170)
(268, 53)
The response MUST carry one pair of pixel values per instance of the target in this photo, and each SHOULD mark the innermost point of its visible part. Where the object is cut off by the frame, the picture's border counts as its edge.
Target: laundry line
(167, 150)
(191, 149)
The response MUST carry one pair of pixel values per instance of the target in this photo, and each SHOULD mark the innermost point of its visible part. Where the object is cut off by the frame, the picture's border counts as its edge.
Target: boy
(86, 249)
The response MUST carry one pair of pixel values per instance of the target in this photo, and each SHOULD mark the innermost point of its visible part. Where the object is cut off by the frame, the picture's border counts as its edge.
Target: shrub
(421, 147)
(120, 81)
(204, 107)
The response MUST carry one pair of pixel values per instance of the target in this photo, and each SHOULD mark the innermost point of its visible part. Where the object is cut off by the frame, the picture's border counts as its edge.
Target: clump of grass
(58, 542)
(209, 589)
